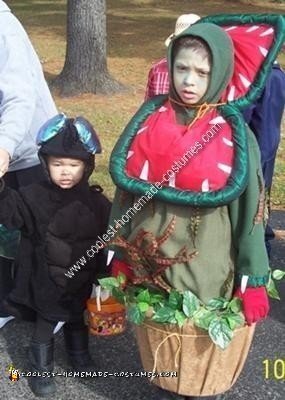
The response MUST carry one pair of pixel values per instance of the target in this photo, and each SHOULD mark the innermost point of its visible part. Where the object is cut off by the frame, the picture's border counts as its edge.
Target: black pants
(15, 180)
(44, 328)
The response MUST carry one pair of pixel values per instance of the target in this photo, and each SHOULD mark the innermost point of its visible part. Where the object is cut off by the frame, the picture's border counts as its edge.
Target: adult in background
(25, 104)
(264, 118)
(158, 82)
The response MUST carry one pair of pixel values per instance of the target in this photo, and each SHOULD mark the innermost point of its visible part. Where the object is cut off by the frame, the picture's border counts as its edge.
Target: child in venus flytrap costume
(213, 199)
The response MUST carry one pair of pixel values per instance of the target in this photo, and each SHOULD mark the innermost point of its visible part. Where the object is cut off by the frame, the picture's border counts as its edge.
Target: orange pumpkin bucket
(110, 320)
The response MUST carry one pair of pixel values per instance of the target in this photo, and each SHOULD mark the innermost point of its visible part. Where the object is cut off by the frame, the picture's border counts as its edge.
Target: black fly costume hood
(71, 138)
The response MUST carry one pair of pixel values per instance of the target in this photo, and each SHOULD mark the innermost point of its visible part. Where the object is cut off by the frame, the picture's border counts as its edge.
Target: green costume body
(228, 242)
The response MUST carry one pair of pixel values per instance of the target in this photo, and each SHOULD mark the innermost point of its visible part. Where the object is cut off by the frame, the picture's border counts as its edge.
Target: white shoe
(4, 320)
(58, 326)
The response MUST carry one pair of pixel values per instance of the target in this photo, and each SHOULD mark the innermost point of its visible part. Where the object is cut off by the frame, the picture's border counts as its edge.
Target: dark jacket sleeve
(14, 212)
(102, 269)
(247, 220)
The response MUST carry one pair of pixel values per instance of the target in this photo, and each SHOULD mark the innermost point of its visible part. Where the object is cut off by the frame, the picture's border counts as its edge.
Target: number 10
(278, 369)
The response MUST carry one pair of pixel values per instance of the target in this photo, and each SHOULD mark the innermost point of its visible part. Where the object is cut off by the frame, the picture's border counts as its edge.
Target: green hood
(222, 53)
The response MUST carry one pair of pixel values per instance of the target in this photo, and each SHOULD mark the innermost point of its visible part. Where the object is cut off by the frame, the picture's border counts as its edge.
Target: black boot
(76, 342)
(41, 361)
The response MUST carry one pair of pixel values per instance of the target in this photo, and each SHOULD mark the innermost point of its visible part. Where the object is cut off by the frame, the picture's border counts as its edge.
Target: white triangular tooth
(230, 28)
(252, 28)
(231, 94)
(130, 153)
(224, 167)
(263, 51)
(217, 120)
(162, 109)
(246, 83)
(243, 283)
(110, 256)
(144, 172)
(228, 142)
(205, 186)
(172, 181)
(141, 130)
(267, 32)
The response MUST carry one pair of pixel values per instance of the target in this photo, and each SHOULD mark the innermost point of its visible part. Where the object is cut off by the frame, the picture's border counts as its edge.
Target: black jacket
(57, 227)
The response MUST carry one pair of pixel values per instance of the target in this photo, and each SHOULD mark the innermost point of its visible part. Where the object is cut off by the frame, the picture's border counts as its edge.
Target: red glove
(255, 303)
(120, 266)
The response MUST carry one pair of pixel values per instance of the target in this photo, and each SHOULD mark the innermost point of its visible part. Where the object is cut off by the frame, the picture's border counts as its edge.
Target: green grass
(136, 30)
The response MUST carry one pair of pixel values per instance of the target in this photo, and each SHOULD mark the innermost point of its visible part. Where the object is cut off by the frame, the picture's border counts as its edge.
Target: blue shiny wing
(87, 135)
(51, 128)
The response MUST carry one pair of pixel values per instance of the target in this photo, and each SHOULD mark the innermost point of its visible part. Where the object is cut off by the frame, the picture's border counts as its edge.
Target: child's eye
(203, 73)
(180, 67)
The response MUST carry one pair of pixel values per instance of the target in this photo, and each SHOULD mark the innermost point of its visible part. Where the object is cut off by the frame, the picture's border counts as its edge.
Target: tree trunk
(85, 69)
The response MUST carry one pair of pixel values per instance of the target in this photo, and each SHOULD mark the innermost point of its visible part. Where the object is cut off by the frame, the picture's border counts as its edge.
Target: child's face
(65, 172)
(191, 75)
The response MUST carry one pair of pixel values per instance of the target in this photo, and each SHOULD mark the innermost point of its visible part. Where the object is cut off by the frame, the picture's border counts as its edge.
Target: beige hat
(183, 22)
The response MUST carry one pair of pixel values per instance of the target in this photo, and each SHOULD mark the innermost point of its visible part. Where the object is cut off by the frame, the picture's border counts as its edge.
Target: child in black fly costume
(61, 219)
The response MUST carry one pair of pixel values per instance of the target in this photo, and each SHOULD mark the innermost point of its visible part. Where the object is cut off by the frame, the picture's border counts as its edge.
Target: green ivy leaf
(164, 314)
(119, 294)
(144, 296)
(218, 303)
(180, 318)
(235, 305)
(190, 303)
(220, 332)
(172, 319)
(271, 290)
(278, 274)
(134, 314)
(143, 306)
(156, 298)
(175, 300)
(109, 283)
(203, 317)
(234, 320)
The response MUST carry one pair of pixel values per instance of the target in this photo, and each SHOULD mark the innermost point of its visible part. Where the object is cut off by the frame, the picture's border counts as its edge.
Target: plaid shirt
(158, 82)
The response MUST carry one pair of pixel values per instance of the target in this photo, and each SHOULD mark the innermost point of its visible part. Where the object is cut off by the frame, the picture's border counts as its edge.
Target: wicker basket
(110, 320)
(200, 367)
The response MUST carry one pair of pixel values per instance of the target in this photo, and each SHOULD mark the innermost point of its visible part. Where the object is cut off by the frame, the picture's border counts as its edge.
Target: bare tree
(85, 69)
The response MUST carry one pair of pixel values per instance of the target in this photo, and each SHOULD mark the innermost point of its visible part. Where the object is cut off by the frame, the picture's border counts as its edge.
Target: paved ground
(120, 354)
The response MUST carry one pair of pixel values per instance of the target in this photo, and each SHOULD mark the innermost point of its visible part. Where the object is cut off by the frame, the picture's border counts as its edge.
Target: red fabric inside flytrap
(251, 45)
